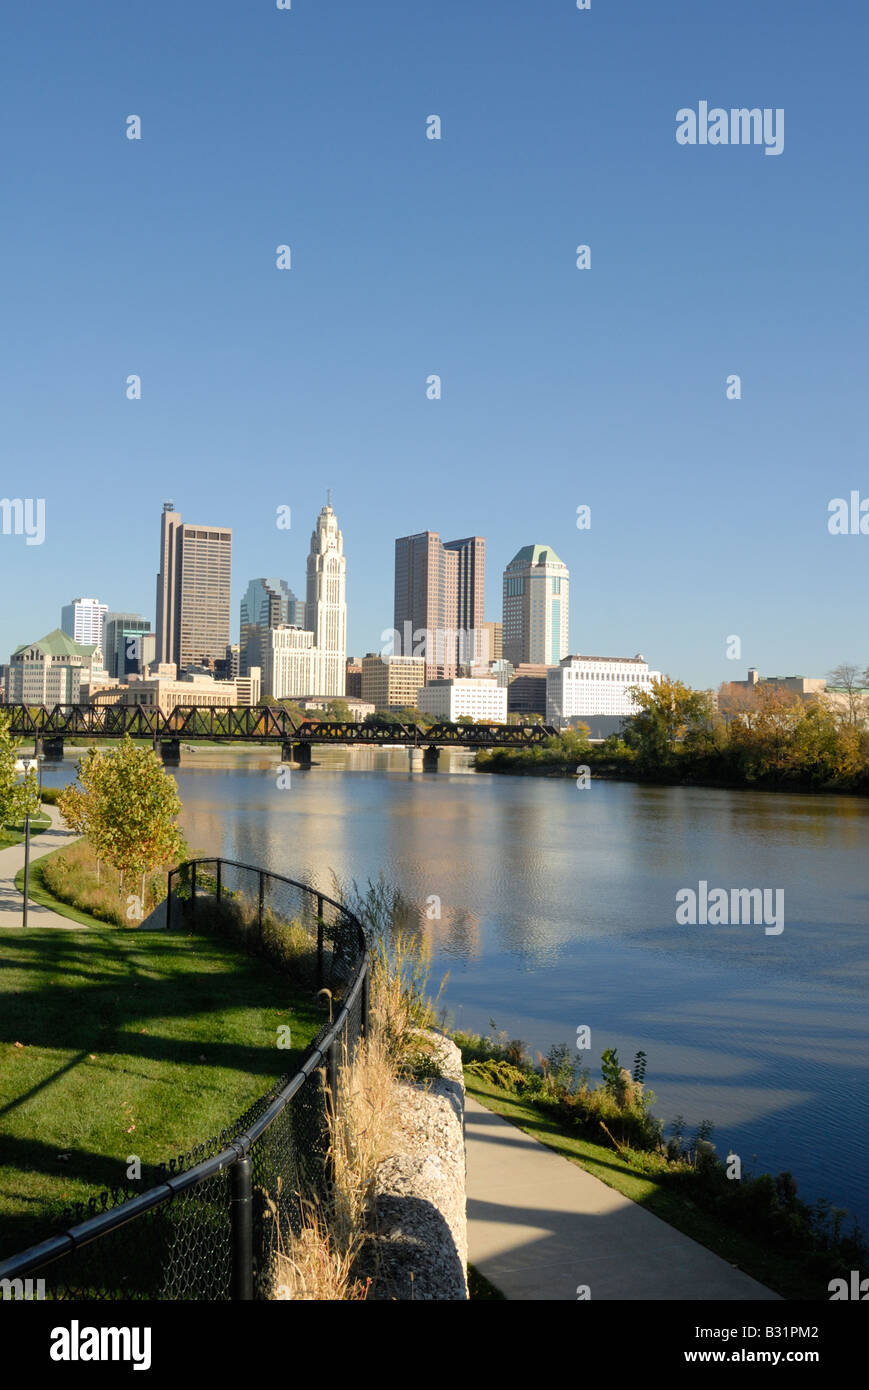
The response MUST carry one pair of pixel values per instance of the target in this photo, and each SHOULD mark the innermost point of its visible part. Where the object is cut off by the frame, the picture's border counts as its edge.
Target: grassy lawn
(117, 1042)
(775, 1271)
(13, 834)
(85, 901)
(42, 894)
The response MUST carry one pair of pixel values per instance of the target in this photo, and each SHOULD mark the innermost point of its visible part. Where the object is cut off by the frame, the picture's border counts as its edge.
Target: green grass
(13, 833)
(755, 1258)
(116, 1043)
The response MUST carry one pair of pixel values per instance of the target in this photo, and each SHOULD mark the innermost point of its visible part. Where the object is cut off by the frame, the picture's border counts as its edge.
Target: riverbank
(567, 755)
(543, 1227)
(612, 773)
(793, 1274)
(557, 908)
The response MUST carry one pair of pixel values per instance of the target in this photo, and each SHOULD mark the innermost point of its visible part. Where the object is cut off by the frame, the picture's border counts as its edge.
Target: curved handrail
(36, 1257)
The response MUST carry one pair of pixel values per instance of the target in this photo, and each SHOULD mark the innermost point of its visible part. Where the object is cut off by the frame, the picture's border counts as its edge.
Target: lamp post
(26, 866)
(25, 765)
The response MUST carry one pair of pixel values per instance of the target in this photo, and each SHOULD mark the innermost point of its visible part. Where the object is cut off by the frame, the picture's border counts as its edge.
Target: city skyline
(562, 387)
(139, 624)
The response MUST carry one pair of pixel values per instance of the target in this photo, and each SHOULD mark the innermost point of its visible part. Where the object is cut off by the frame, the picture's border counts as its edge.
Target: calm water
(558, 909)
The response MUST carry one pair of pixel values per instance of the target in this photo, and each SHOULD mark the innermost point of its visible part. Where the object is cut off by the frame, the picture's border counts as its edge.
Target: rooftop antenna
(328, 497)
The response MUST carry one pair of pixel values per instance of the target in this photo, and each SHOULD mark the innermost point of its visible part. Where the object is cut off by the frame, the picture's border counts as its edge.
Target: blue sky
(561, 387)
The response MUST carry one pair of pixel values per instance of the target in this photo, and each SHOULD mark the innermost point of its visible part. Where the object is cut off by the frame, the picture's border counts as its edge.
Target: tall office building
(168, 579)
(493, 643)
(439, 600)
(193, 590)
(267, 603)
(124, 648)
(326, 605)
(82, 620)
(536, 605)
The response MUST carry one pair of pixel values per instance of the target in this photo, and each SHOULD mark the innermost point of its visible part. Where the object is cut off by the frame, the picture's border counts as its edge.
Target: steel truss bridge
(251, 724)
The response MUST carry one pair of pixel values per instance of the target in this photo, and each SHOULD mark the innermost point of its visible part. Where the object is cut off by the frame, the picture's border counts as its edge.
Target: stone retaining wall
(420, 1219)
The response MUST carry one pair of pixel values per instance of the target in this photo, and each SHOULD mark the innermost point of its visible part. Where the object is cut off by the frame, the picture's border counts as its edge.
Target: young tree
(81, 805)
(127, 806)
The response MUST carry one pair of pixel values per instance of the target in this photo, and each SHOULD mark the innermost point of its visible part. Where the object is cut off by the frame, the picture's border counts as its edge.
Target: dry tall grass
(76, 877)
(321, 1261)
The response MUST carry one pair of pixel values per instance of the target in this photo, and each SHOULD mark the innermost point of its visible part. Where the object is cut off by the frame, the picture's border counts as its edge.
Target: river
(557, 910)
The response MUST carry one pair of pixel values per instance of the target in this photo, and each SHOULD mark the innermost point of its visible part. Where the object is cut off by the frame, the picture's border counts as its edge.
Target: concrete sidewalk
(12, 859)
(539, 1226)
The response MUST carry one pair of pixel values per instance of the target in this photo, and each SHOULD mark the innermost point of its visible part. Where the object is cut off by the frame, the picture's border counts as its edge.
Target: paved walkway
(12, 859)
(539, 1226)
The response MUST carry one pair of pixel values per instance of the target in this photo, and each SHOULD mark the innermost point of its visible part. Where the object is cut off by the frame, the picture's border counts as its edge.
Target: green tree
(669, 715)
(127, 805)
(339, 711)
(18, 795)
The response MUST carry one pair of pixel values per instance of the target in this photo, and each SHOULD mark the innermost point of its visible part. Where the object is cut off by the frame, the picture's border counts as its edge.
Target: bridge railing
(212, 1222)
(254, 724)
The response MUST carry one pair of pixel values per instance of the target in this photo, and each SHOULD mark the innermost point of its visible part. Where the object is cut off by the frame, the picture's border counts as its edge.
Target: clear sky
(410, 256)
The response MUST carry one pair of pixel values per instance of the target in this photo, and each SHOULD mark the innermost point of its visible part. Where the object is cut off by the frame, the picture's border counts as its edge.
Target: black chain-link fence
(213, 1226)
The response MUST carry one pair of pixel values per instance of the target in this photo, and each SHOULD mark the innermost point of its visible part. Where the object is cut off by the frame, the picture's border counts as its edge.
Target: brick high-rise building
(392, 682)
(439, 600)
(193, 590)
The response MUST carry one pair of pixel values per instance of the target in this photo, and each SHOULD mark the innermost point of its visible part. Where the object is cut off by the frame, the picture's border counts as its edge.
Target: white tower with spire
(326, 605)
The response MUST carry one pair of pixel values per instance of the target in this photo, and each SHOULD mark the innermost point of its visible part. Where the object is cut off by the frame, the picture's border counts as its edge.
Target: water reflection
(558, 909)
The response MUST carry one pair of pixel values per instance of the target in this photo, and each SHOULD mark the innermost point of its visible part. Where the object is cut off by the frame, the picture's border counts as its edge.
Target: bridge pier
(299, 753)
(169, 749)
(413, 753)
(52, 749)
(430, 759)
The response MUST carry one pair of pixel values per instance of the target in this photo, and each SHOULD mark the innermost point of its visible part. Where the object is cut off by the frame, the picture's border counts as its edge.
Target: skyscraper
(168, 579)
(267, 603)
(536, 605)
(82, 620)
(439, 600)
(326, 605)
(193, 590)
(123, 647)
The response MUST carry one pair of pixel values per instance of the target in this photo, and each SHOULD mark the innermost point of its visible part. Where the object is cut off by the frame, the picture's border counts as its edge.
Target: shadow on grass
(114, 999)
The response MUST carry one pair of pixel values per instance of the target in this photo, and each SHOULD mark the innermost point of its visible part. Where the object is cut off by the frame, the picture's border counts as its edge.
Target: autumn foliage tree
(670, 716)
(126, 805)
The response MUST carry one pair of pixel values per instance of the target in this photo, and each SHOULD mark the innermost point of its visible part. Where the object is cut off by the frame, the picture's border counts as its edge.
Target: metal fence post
(241, 1218)
(319, 941)
(261, 902)
(366, 1002)
(193, 890)
(169, 900)
(219, 866)
(332, 1073)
